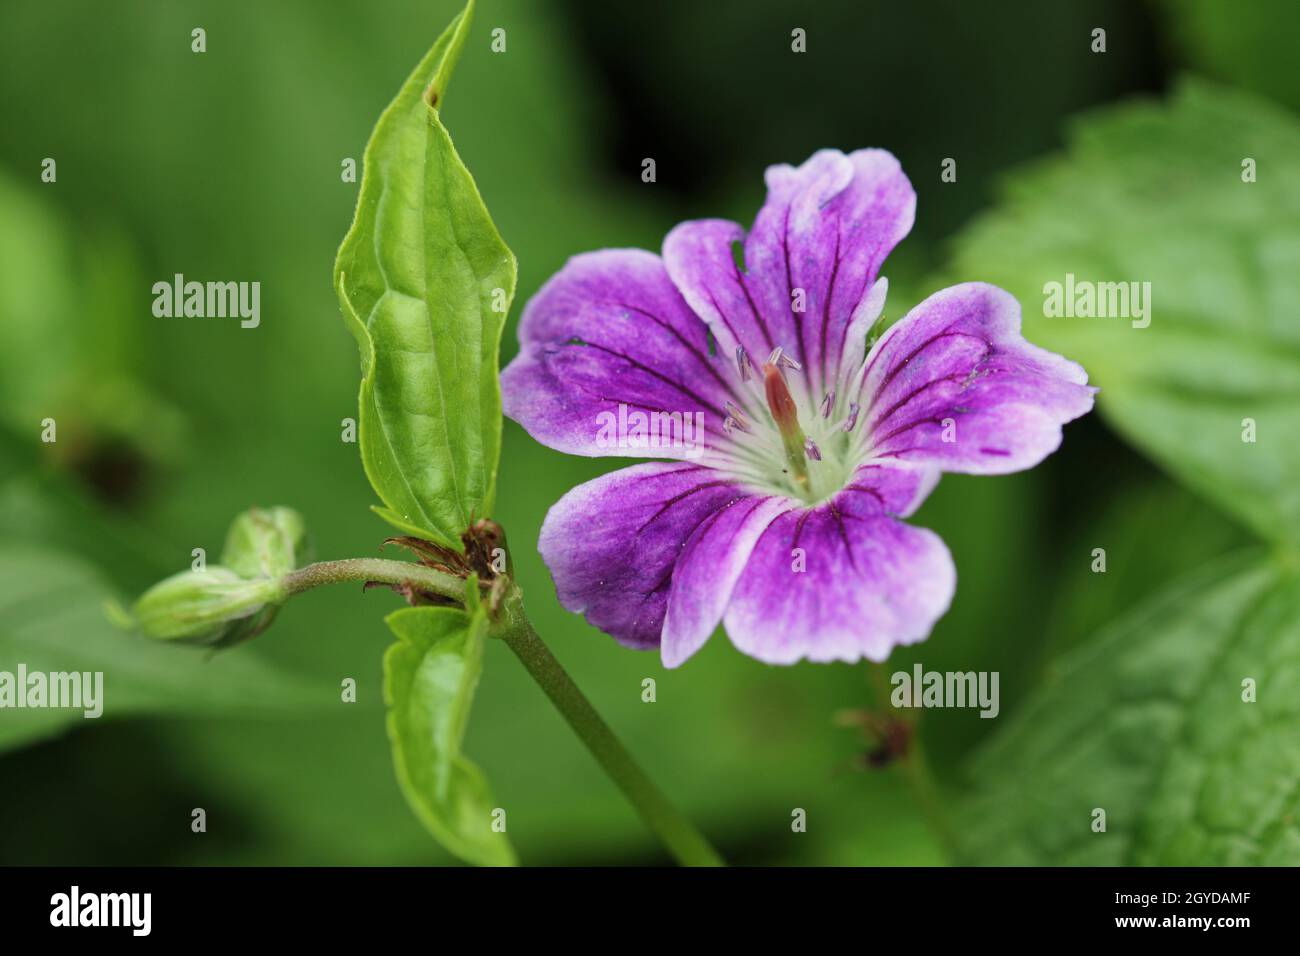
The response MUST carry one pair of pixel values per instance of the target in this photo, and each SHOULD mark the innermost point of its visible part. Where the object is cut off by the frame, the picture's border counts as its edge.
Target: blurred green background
(226, 165)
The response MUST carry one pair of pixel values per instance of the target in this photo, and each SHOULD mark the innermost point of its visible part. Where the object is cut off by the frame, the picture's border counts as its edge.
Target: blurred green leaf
(1148, 723)
(1246, 44)
(1152, 532)
(69, 343)
(43, 507)
(425, 283)
(1155, 193)
(52, 619)
(429, 680)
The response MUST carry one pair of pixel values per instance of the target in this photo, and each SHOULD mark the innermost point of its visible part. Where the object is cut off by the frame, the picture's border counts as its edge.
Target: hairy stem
(374, 569)
(678, 835)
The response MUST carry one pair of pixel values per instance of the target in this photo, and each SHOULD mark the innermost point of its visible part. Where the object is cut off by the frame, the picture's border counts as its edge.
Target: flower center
(785, 445)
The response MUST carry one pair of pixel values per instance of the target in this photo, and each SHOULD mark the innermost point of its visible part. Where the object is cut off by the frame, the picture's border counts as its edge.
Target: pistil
(786, 415)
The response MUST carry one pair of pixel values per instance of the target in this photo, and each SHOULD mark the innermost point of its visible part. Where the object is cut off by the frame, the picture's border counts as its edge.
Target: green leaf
(1154, 193)
(418, 276)
(1239, 43)
(44, 507)
(1148, 723)
(429, 681)
(1153, 533)
(86, 375)
(52, 619)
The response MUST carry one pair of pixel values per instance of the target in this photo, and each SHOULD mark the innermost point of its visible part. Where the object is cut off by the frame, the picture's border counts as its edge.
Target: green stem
(374, 569)
(683, 841)
(916, 769)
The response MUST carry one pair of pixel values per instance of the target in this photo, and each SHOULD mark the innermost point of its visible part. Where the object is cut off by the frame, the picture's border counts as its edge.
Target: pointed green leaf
(429, 681)
(425, 282)
(1154, 723)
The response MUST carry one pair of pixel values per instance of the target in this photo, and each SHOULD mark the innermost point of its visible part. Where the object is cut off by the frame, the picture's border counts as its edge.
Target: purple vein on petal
(682, 496)
(667, 327)
(667, 380)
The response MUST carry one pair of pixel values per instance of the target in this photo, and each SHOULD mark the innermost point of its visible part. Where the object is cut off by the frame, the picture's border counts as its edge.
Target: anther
(781, 360)
(852, 420)
(828, 403)
(736, 412)
(811, 450)
(742, 363)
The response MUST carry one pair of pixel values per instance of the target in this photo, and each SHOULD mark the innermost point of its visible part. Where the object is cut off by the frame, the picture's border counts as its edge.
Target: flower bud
(264, 542)
(214, 607)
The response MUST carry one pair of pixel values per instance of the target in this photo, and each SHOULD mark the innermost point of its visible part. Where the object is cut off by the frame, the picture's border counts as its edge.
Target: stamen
(780, 359)
(811, 450)
(828, 403)
(737, 413)
(852, 420)
(742, 363)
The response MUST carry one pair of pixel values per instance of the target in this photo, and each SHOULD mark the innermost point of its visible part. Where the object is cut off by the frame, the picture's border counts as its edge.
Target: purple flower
(793, 449)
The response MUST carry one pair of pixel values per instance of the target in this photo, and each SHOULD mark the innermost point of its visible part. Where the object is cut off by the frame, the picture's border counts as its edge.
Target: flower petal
(610, 329)
(811, 259)
(710, 564)
(698, 257)
(869, 583)
(954, 383)
(611, 543)
(895, 488)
